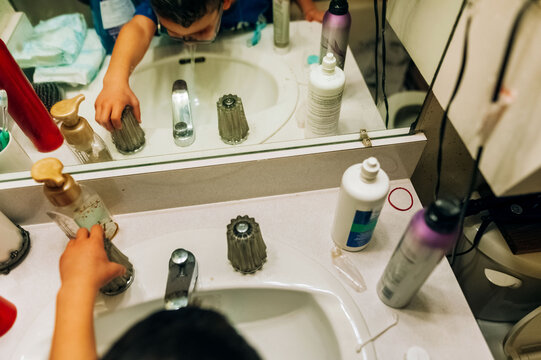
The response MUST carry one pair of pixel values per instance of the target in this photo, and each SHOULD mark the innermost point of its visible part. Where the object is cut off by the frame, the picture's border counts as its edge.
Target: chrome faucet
(183, 129)
(181, 279)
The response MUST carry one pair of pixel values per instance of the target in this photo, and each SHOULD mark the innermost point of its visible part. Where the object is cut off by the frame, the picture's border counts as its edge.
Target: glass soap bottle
(74, 203)
(87, 146)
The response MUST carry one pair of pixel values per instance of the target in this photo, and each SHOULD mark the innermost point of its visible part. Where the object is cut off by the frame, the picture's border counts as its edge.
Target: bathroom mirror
(271, 85)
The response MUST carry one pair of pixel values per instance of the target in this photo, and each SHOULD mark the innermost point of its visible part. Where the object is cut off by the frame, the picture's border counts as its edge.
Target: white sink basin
(291, 309)
(296, 321)
(264, 82)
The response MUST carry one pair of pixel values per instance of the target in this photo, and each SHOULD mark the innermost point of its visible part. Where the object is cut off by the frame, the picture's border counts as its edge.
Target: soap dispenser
(76, 205)
(87, 146)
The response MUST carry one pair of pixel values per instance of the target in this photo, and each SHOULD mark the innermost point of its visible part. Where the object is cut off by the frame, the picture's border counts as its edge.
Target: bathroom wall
(424, 28)
(511, 163)
(457, 162)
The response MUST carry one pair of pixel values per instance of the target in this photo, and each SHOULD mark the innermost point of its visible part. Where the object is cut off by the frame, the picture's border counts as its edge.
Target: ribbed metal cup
(131, 137)
(121, 283)
(232, 123)
(245, 247)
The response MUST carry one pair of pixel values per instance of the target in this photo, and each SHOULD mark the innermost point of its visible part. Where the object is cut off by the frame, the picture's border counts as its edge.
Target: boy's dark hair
(184, 12)
(190, 333)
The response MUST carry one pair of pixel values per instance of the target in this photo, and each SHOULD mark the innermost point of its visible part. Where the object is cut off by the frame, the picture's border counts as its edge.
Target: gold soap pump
(77, 206)
(87, 146)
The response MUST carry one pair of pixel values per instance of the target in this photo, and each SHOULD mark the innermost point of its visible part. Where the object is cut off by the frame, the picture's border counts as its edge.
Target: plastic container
(280, 18)
(8, 314)
(362, 195)
(325, 89)
(429, 236)
(335, 31)
(109, 16)
(25, 107)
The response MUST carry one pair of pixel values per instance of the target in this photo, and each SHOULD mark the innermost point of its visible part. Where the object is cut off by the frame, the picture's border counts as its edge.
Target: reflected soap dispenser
(76, 205)
(87, 146)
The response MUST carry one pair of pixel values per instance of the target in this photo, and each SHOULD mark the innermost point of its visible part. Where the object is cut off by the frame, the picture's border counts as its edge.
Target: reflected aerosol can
(335, 31)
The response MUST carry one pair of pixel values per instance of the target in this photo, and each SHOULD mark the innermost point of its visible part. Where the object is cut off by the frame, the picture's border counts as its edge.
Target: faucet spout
(183, 128)
(181, 279)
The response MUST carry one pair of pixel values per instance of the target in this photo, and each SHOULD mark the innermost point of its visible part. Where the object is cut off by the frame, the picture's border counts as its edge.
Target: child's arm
(130, 47)
(311, 13)
(84, 269)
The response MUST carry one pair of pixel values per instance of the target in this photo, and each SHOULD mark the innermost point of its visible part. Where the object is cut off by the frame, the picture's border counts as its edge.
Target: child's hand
(314, 15)
(84, 263)
(110, 103)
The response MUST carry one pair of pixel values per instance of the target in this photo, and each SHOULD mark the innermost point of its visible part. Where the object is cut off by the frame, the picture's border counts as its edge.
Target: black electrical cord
(384, 60)
(376, 17)
(497, 89)
(466, 201)
(478, 235)
(509, 48)
(443, 123)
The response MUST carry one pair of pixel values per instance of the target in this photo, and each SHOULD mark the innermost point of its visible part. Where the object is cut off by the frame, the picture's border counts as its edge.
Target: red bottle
(25, 107)
(8, 314)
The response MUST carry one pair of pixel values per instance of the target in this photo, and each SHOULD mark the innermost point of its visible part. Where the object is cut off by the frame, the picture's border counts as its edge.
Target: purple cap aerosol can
(335, 31)
(429, 236)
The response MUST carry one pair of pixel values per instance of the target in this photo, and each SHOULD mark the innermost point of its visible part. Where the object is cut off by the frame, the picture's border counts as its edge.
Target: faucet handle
(181, 280)
(232, 124)
(246, 249)
(121, 283)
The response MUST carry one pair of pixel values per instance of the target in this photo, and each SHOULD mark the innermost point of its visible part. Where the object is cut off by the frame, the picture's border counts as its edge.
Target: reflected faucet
(181, 279)
(183, 129)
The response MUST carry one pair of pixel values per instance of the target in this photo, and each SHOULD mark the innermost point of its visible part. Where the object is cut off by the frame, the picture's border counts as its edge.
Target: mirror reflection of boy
(190, 333)
(186, 20)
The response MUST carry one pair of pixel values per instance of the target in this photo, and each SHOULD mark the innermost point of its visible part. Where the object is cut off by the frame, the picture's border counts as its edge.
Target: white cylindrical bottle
(362, 194)
(325, 88)
(280, 19)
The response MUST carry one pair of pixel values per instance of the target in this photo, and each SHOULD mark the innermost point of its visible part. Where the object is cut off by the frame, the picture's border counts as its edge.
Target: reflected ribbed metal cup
(232, 123)
(131, 137)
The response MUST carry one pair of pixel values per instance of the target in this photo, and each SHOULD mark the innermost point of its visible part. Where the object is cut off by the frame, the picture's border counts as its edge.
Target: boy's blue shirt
(242, 13)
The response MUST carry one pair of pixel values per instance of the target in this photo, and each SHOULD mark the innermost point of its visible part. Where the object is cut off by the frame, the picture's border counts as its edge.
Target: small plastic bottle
(335, 31)
(430, 234)
(325, 89)
(280, 18)
(362, 195)
(73, 202)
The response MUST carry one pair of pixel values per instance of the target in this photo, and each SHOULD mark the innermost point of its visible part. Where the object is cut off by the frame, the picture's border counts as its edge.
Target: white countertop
(438, 319)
